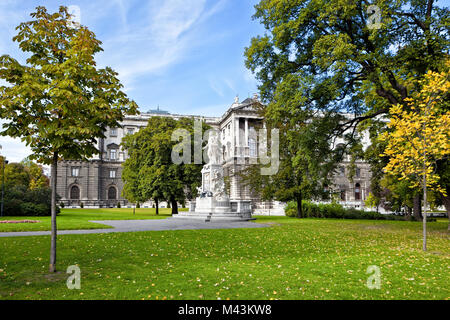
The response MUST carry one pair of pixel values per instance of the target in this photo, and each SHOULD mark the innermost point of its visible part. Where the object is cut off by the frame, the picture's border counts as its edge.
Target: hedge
(334, 210)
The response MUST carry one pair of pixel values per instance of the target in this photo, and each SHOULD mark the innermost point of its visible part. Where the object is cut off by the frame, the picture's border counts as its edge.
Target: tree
(38, 179)
(59, 102)
(26, 173)
(420, 135)
(323, 58)
(150, 173)
(301, 175)
(16, 175)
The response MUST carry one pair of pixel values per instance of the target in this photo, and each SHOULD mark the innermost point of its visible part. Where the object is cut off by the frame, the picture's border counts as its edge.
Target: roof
(158, 111)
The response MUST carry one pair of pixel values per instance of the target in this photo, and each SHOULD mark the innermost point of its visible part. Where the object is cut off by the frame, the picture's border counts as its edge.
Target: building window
(358, 172)
(342, 171)
(113, 132)
(112, 193)
(113, 154)
(357, 192)
(130, 131)
(75, 193)
(253, 147)
(75, 172)
(112, 174)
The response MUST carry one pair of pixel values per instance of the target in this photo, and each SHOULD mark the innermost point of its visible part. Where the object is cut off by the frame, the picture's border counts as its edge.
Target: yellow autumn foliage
(420, 132)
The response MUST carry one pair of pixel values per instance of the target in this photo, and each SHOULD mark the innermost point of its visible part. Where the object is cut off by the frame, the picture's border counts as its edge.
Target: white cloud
(14, 149)
(161, 39)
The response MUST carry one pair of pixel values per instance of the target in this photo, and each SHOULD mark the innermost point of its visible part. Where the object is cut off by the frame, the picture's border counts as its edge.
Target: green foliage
(27, 174)
(334, 211)
(20, 201)
(318, 60)
(372, 201)
(149, 172)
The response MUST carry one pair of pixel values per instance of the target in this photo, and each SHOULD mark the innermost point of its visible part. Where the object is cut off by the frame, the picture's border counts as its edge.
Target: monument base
(211, 217)
(208, 209)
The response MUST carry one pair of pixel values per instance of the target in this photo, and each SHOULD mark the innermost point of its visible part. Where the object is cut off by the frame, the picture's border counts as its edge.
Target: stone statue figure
(214, 153)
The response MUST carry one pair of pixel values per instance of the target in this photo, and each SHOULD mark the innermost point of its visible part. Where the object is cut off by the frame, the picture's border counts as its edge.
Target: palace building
(97, 183)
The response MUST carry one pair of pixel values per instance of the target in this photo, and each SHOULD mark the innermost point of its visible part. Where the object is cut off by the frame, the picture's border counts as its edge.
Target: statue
(214, 153)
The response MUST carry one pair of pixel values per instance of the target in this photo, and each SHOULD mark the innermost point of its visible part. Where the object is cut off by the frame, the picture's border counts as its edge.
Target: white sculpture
(214, 153)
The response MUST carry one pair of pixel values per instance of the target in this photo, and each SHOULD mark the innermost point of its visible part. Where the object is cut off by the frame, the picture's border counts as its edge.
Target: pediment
(112, 146)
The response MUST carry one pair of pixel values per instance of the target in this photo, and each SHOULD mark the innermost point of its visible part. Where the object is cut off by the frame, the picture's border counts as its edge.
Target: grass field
(294, 259)
(78, 219)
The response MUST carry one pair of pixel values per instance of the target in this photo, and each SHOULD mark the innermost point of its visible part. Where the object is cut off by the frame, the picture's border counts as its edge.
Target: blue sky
(185, 56)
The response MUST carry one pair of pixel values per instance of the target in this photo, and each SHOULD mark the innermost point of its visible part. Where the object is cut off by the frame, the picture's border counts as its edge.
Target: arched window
(357, 192)
(75, 193)
(112, 193)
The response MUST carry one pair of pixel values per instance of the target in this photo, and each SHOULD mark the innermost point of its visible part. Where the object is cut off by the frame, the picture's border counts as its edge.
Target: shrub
(291, 209)
(81, 205)
(336, 211)
(118, 205)
(22, 202)
(62, 205)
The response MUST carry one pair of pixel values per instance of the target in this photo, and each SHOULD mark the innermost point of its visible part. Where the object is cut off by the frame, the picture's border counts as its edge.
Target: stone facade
(97, 183)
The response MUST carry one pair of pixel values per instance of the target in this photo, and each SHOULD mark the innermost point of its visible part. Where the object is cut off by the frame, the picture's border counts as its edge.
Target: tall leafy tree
(325, 58)
(26, 173)
(150, 173)
(306, 161)
(59, 102)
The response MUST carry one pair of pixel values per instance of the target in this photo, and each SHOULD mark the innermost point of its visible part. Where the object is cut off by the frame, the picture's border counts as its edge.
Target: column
(246, 132)
(238, 142)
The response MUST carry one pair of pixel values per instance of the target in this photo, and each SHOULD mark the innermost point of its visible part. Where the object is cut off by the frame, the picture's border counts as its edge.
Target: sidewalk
(144, 225)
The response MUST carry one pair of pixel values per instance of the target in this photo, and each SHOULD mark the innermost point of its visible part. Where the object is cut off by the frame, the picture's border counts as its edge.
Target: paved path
(145, 225)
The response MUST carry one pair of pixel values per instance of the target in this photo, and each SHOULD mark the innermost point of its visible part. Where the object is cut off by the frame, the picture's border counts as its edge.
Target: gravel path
(145, 225)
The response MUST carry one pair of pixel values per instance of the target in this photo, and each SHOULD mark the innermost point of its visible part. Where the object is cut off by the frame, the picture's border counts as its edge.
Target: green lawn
(293, 259)
(78, 219)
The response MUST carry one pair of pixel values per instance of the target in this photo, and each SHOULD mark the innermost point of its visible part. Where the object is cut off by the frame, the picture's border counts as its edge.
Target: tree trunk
(299, 205)
(157, 206)
(446, 201)
(417, 211)
(174, 207)
(408, 213)
(54, 168)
